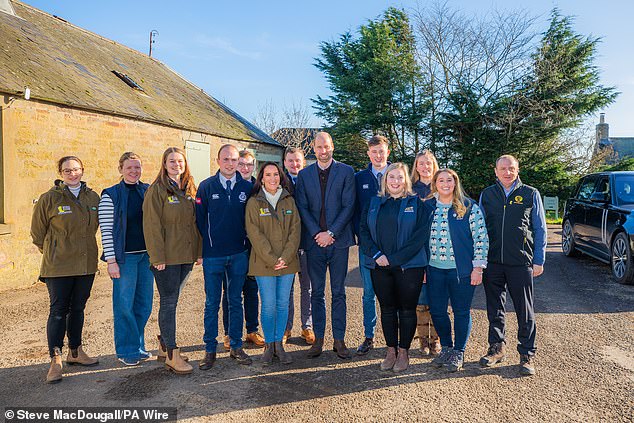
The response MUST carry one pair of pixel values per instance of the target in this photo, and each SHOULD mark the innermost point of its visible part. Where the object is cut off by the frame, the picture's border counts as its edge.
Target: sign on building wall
(198, 158)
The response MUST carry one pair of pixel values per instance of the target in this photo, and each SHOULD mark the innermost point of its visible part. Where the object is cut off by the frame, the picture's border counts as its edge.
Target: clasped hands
(323, 239)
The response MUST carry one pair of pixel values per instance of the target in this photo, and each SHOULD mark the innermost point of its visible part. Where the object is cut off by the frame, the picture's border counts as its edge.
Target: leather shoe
(316, 349)
(287, 334)
(240, 356)
(207, 362)
(256, 339)
(366, 346)
(339, 346)
(308, 335)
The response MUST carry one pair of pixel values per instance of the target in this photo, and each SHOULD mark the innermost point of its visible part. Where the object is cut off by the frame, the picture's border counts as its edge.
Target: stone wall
(35, 134)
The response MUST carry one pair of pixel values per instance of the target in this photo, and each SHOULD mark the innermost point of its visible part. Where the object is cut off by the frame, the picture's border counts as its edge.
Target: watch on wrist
(332, 235)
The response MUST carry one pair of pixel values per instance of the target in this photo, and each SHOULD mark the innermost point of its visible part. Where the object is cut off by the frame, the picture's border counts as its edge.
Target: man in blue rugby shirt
(516, 225)
(368, 183)
(220, 206)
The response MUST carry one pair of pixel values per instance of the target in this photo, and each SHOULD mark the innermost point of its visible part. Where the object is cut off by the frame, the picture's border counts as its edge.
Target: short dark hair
(292, 150)
(376, 140)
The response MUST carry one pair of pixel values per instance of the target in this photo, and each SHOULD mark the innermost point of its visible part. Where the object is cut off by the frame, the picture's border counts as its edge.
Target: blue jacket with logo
(366, 186)
(409, 223)
(220, 217)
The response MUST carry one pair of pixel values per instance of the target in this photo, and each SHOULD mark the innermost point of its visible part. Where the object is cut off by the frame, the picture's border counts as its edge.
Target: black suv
(598, 221)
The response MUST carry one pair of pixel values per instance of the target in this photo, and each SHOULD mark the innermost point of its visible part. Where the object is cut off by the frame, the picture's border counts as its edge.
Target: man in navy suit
(325, 197)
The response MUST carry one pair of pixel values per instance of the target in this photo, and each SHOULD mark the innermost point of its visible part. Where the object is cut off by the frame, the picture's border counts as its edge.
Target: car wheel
(621, 259)
(568, 240)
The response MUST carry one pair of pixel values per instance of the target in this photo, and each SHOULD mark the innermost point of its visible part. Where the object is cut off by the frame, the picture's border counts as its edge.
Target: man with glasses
(246, 165)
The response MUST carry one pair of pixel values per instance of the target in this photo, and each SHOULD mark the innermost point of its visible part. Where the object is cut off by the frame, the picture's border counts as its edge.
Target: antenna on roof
(153, 34)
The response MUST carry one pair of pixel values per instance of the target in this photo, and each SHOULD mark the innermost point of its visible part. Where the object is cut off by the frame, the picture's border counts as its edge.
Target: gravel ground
(585, 363)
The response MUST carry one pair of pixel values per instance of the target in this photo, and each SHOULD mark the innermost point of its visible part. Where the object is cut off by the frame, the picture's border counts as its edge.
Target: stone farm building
(65, 90)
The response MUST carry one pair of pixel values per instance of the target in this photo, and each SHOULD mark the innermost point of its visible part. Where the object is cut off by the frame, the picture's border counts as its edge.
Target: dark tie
(229, 189)
(378, 178)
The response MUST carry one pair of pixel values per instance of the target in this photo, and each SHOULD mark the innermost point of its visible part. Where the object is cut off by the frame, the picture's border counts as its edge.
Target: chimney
(603, 130)
(6, 7)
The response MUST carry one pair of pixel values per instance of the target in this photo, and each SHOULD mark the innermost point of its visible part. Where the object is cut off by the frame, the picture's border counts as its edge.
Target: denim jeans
(369, 299)
(132, 295)
(169, 283)
(251, 305)
(68, 296)
(234, 269)
(336, 261)
(274, 292)
(306, 315)
(444, 285)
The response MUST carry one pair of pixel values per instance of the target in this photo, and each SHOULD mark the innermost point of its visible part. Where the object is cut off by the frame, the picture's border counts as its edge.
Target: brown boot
(390, 359)
(423, 323)
(287, 334)
(402, 361)
(78, 356)
(175, 363)
(256, 339)
(339, 346)
(285, 358)
(55, 371)
(267, 355)
(495, 354)
(434, 346)
(316, 349)
(162, 351)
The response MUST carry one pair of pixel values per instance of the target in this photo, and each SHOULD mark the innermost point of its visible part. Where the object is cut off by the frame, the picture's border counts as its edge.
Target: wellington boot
(285, 358)
(78, 356)
(267, 355)
(55, 371)
(175, 363)
(162, 351)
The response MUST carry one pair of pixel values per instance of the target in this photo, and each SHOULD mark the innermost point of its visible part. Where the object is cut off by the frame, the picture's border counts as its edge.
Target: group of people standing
(422, 244)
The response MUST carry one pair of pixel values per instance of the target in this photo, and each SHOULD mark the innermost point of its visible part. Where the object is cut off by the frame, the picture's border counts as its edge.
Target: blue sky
(247, 53)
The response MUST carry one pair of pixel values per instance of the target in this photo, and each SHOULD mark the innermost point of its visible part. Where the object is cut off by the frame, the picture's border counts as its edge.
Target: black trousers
(68, 296)
(519, 282)
(169, 283)
(398, 290)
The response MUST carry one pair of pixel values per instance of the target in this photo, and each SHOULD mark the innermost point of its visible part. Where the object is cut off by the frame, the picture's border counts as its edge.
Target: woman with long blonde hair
(173, 244)
(457, 249)
(392, 243)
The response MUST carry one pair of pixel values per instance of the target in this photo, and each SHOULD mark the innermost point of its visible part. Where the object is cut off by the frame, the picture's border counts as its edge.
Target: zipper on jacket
(211, 244)
(503, 218)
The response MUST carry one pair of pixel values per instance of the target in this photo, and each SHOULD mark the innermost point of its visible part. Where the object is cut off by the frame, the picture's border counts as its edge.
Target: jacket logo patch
(172, 199)
(199, 201)
(215, 196)
(93, 208)
(64, 210)
(289, 212)
(264, 211)
(517, 200)
(366, 186)
(409, 209)
(242, 197)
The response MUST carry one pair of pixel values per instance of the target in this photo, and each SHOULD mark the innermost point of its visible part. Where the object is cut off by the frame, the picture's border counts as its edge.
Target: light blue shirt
(223, 180)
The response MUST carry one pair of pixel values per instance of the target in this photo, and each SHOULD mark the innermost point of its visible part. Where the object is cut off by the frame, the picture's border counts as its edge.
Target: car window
(587, 188)
(603, 186)
(624, 186)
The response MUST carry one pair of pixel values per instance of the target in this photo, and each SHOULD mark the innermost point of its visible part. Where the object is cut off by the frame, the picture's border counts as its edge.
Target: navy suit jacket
(340, 204)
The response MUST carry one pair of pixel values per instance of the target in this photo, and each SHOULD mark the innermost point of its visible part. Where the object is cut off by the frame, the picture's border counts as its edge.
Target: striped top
(106, 222)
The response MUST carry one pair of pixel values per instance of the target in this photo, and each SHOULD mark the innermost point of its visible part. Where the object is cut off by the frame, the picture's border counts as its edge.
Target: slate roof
(64, 64)
(623, 146)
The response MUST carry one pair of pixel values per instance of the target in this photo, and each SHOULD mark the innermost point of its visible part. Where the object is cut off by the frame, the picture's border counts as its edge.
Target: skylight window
(125, 78)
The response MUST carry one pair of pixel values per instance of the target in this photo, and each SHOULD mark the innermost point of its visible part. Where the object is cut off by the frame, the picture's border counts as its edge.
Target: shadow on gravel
(572, 285)
(214, 392)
